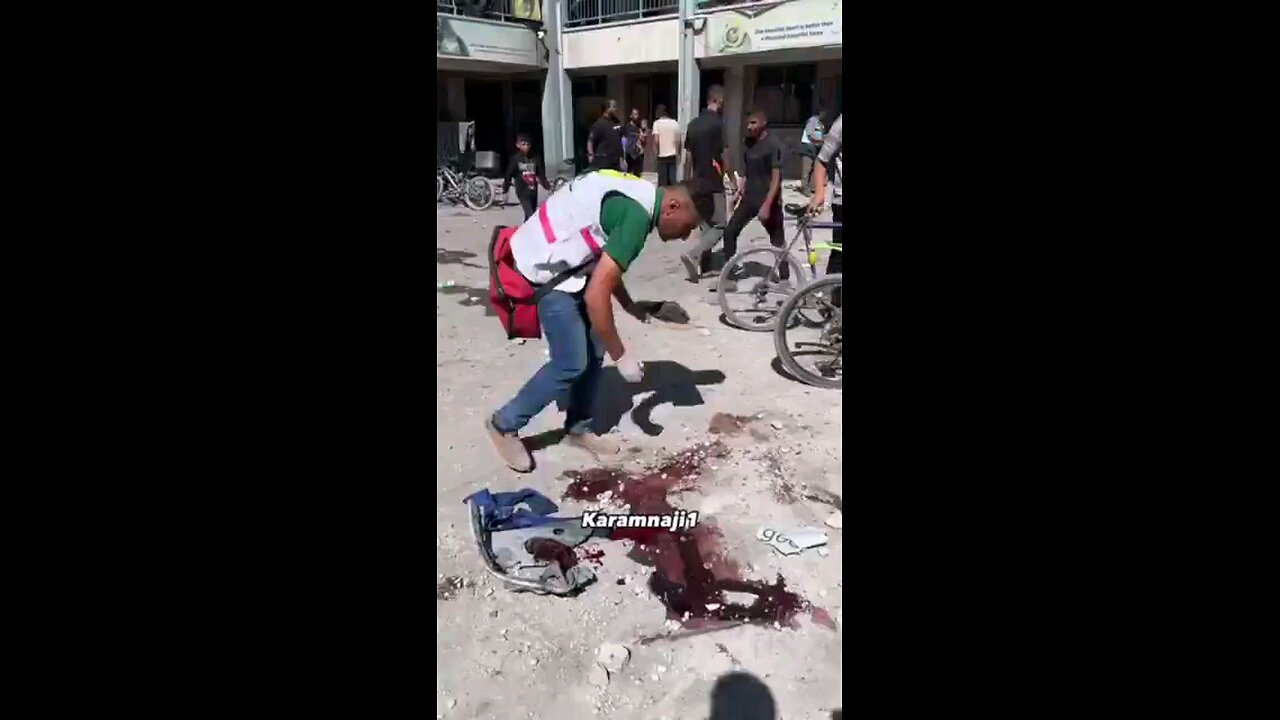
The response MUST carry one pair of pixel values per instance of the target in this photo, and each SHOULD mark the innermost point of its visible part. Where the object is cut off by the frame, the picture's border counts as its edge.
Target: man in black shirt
(604, 144)
(708, 162)
(528, 172)
(759, 196)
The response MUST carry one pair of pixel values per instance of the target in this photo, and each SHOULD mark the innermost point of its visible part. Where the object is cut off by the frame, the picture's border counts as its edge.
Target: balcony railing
(491, 9)
(706, 5)
(581, 13)
(585, 13)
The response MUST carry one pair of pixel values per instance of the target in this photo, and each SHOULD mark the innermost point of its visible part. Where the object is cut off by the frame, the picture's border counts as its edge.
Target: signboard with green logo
(798, 23)
(479, 40)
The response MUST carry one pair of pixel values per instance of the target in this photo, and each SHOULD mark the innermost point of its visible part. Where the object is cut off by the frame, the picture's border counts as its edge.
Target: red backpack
(512, 296)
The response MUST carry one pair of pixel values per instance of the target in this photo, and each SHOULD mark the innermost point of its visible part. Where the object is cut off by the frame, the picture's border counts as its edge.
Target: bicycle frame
(805, 228)
(451, 179)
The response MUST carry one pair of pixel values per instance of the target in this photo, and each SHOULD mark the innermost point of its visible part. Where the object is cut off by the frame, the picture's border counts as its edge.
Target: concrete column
(557, 106)
(736, 106)
(457, 98)
(686, 73)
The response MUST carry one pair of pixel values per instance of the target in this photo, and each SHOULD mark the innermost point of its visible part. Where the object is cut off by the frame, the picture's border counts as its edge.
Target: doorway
(484, 108)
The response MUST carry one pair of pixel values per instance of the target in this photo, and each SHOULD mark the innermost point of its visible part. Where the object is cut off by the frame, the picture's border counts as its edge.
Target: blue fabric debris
(502, 511)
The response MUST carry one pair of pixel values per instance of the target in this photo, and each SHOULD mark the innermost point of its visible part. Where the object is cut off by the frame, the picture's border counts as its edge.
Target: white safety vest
(566, 232)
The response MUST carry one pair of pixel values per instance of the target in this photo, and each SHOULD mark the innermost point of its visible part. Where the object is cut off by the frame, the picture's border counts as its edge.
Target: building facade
(490, 69)
(783, 57)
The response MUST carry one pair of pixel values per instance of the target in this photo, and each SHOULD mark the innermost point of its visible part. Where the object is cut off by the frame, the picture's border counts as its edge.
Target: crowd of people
(582, 243)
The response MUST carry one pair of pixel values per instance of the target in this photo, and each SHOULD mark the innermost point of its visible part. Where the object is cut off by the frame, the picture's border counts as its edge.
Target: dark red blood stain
(691, 570)
(594, 555)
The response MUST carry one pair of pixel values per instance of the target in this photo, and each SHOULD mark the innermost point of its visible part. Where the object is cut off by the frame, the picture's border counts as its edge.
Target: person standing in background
(667, 132)
(632, 144)
(760, 194)
(828, 165)
(810, 141)
(604, 144)
(708, 158)
(644, 141)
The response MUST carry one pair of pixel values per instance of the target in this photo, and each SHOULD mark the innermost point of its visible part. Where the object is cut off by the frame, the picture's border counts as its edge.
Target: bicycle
(472, 189)
(823, 299)
(766, 296)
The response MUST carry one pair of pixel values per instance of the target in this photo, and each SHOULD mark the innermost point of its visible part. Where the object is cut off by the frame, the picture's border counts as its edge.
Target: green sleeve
(626, 224)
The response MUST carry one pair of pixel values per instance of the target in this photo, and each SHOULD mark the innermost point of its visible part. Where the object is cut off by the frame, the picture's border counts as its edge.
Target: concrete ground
(507, 655)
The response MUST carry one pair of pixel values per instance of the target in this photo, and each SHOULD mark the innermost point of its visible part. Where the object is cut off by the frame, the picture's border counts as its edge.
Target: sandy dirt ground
(759, 450)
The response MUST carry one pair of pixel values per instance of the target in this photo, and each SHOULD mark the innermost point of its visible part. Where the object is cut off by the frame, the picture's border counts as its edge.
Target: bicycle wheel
(750, 291)
(478, 193)
(799, 344)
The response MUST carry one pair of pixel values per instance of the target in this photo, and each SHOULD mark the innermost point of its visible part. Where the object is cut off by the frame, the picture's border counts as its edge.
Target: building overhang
(486, 45)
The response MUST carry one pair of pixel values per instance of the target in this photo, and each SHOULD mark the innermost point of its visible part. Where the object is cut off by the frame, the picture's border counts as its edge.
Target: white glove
(630, 368)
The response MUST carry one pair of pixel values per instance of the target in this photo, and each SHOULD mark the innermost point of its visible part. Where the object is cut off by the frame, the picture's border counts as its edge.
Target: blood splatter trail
(691, 572)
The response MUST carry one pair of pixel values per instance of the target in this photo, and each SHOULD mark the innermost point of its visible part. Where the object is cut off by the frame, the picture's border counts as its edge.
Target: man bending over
(599, 221)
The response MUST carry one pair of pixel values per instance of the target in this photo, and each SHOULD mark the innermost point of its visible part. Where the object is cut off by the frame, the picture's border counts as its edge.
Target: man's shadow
(742, 696)
(475, 297)
(669, 381)
(445, 256)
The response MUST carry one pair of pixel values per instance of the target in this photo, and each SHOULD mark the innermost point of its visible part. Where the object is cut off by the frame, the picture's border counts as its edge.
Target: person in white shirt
(667, 131)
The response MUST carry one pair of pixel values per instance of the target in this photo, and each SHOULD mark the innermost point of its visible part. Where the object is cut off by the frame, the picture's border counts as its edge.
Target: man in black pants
(828, 165)
(604, 143)
(708, 162)
(528, 172)
(760, 193)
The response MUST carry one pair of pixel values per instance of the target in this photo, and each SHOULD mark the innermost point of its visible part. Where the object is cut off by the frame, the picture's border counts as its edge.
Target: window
(785, 93)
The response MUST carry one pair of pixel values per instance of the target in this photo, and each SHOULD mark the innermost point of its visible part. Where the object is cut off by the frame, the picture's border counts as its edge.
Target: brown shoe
(509, 448)
(597, 445)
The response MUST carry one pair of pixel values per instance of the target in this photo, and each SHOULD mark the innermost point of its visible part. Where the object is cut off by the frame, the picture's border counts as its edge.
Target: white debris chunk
(836, 520)
(598, 676)
(791, 542)
(613, 656)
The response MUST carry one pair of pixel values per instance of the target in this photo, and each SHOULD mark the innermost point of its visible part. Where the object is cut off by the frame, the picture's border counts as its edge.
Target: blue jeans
(574, 368)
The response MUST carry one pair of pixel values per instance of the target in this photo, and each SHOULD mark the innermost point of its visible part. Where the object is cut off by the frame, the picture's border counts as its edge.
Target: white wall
(642, 42)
